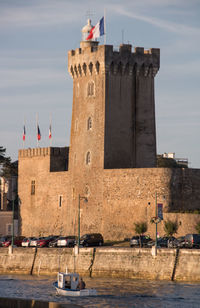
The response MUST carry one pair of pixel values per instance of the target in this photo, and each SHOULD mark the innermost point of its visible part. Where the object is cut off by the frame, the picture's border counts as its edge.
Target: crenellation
(47, 151)
(139, 50)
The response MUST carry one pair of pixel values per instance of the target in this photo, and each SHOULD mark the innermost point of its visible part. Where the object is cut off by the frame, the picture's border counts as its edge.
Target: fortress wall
(127, 262)
(129, 196)
(41, 213)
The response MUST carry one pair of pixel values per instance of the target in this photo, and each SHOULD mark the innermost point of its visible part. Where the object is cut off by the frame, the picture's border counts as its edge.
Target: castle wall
(129, 196)
(41, 213)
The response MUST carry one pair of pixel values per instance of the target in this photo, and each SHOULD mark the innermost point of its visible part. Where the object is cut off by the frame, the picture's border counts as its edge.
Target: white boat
(68, 285)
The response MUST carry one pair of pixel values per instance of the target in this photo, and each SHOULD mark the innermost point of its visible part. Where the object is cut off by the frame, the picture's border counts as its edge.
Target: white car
(26, 241)
(66, 241)
(33, 242)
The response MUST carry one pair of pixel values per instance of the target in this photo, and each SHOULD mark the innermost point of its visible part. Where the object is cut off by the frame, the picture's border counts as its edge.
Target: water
(124, 293)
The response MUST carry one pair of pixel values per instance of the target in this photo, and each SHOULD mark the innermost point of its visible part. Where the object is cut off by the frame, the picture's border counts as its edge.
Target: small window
(76, 125)
(73, 193)
(8, 229)
(90, 89)
(89, 124)
(60, 200)
(77, 90)
(88, 158)
(32, 187)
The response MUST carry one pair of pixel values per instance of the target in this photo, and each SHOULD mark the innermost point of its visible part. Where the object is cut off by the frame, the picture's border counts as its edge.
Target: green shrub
(170, 227)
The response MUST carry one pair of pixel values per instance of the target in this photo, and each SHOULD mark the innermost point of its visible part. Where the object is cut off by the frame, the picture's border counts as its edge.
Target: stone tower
(113, 116)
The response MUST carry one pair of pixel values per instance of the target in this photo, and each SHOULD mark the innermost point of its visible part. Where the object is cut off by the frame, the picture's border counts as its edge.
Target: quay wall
(104, 262)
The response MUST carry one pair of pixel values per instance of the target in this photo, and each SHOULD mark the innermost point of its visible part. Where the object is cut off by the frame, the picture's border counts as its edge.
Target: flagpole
(37, 129)
(50, 141)
(104, 26)
(24, 137)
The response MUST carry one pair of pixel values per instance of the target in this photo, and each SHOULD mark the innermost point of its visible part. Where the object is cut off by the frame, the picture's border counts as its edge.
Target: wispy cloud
(170, 26)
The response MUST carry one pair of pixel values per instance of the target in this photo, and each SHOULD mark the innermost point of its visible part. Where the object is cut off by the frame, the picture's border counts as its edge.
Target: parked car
(44, 241)
(92, 239)
(177, 242)
(135, 240)
(66, 241)
(26, 241)
(3, 239)
(33, 242)
(161, 241)
(54, 241)
(17, 241)
(192, 241)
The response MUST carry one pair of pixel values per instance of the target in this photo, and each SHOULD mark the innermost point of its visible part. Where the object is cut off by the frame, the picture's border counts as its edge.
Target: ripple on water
(124, 293)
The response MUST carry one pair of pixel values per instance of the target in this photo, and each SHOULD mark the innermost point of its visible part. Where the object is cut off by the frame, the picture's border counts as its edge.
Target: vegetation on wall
(164, 162)
(197, 227)
(140, 228)
(170, 227)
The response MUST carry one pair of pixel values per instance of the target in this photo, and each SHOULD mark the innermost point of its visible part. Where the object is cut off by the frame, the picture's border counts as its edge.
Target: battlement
(49, 151)
(94, 59)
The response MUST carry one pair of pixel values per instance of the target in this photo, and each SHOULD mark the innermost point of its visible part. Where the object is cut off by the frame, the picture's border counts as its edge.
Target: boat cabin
(68, 281)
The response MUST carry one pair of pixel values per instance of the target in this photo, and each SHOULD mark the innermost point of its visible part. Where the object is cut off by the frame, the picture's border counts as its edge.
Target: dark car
(192, 241)
(177, 242)
(161, 241)
(92, 239)
(54, 241)
(135, 240)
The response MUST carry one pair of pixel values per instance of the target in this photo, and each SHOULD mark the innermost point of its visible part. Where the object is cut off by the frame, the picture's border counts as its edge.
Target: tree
(140, 228)
(2, 155)
(170, 227)
(197, 227)
(8, 168)
(165, 162)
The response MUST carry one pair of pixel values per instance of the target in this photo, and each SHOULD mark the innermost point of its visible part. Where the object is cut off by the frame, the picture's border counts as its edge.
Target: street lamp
(156, 220)
(79, 203)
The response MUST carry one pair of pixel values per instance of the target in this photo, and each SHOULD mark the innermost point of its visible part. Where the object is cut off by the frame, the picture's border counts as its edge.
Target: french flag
(38, 133)
(24, 133)
(50, 135)
(97, 30)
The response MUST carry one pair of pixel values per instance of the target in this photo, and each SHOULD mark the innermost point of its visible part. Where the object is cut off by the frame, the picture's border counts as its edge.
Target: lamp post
(13, 214)
(156, 220)
(156, 215)
(79, 217)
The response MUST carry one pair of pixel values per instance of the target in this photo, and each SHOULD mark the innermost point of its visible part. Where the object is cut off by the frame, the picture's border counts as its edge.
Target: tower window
(89, 124)
(88, 158)
(77, 90)
(76, 125)
(32, 187)
(90, 89)
(60, 200)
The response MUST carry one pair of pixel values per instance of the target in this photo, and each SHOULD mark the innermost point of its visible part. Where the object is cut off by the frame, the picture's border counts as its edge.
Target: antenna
(122, 36)
(89, 13)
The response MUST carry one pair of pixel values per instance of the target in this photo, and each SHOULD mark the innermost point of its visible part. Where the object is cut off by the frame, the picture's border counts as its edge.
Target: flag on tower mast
(38, 133)
(50, 135)
(24, 133)
(97, 30)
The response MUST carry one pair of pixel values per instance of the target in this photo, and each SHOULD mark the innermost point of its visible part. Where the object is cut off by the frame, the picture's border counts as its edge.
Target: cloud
(170, 26)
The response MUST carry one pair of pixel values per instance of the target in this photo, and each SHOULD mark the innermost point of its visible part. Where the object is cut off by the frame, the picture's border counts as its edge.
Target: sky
(35, 36)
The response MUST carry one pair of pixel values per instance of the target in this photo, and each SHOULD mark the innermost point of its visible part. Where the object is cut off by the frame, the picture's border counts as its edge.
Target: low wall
(113, 261)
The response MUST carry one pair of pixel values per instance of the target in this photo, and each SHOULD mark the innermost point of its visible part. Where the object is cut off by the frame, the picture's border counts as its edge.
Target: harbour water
(112, 292)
